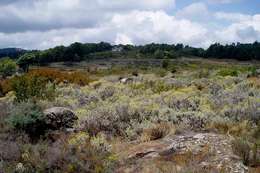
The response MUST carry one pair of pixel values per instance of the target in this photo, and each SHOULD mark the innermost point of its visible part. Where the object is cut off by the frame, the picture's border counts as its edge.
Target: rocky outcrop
(59, 118)
(207, 151)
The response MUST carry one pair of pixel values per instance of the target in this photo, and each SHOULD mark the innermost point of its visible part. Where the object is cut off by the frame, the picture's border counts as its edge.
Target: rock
(206, 150)
(199, 136)
(59, 118)
(258, 71)
(144, 150)
(126, 80)
(20, 168)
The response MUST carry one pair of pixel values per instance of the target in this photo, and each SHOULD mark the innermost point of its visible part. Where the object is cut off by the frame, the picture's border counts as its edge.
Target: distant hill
(11, 52)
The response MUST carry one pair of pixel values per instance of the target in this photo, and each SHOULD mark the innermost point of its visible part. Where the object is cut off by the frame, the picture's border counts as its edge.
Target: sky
(41, 24)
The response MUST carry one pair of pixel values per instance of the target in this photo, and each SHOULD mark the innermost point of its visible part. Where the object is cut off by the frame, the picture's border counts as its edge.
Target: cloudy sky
(40, 24)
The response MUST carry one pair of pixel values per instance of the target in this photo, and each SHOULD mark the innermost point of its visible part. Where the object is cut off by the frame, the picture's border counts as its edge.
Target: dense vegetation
(172, 98)
(234, 51)
(74, 52)
(79, 51)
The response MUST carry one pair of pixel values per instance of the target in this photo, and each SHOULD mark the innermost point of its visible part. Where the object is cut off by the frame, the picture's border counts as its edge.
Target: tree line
(80, 51)
(234, 51)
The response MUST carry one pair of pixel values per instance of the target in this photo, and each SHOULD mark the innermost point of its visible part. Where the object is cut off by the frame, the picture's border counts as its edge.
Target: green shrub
(27, 117)
(7, 67)
(160, 72)
(252, 71)
(32, 87)
(160, 86)
(228, 72)
(165, 63)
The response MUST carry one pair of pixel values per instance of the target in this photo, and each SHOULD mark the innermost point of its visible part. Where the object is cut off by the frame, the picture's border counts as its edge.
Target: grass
(241, 147)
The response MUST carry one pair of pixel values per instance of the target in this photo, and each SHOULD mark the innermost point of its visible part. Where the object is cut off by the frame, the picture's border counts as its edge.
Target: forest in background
(79, 51)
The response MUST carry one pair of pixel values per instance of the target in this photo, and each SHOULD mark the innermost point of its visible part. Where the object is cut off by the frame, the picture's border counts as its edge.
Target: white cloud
(52, 38)
(123, 39)
(196, 12)
(233, 17)
(241, 31)
(138, 27)
(47, 23)
(24, 15)
(146, 26)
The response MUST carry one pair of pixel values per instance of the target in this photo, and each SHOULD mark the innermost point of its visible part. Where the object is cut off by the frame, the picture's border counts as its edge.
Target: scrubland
(172, 98)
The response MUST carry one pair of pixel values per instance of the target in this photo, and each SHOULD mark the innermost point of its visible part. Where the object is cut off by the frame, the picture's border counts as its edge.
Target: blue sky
(41, 24)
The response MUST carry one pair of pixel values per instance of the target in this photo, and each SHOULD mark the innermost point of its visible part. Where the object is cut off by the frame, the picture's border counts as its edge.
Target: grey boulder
(59, 118)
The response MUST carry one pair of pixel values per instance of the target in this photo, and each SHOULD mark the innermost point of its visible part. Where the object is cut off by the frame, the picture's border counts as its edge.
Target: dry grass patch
(187, 158)
(75, 77)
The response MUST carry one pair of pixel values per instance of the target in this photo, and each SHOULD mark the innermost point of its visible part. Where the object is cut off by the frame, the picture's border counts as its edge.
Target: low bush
(113, 120)
(256, 146)
(241, 147)
(227, 126)
(5, 87)
(27, 117)
(184, 104)
(220, 125)
(155, 86)
(252, 72)
(69, 153)
(7, 67)
(107, 92)
(3, 115)
(160, 86)
(32, 87)
(228, 72)
(59, 76)
(166, 63)
(64, 156)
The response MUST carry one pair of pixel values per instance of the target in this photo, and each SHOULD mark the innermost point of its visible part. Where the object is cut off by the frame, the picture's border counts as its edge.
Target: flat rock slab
(205, 150)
